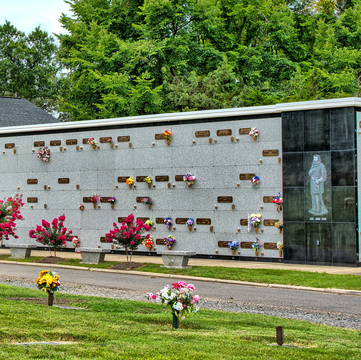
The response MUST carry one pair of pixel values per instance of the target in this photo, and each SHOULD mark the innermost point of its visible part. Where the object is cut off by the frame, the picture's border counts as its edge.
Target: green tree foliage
(150, 56)
(28, 67)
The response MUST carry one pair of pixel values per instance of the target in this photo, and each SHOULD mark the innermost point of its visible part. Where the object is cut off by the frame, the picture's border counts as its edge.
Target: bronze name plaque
(39, 143)
(71, 142)
(223, 244)
(159, 220)
(203, 222)
(246, 245)
(159, 242)
(269, 222)
(104, 199)
(181, 221)
(244, 131)
(63, 181)
(9, 146)
(159, 137)
(104, 239)
(144, 219)
(227, 132)
(246, 176)
(270, 153)
(225, 199)
(123, 138)
(121, 219)
(162, 178)
(139, 199)
(123, 179)
(270, 246)
(205, 133)
(140, 178)
(55, 142)
(85, 141)
(87, 199)
(243, 222)
(104, 140)
(32, 199)
(268, 199)
(32, 181)
(178, 178)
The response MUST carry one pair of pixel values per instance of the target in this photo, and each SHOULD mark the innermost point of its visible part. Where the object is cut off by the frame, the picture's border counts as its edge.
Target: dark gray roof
(18, 111)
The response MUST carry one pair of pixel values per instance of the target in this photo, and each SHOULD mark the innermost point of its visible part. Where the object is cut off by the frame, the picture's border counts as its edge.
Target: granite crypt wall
(219, 152)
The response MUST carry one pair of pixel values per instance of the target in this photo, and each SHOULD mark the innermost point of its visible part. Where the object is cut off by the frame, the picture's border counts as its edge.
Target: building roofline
(184, 116)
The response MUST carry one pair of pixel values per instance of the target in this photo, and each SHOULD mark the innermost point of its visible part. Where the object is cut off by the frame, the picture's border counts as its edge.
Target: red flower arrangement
(129, 235)
(9, 213)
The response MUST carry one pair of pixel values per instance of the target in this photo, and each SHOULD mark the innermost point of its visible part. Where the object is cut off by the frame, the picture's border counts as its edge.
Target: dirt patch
(44, 301)
(50, 260)
(127, 266)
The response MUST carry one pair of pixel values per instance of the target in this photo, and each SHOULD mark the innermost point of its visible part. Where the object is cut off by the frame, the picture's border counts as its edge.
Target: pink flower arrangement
(9, 213)
(54, 235)
(44, 153)
(129, 234)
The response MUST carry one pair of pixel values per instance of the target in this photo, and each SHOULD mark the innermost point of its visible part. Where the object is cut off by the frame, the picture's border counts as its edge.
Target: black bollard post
(279, 335)
(175, 321)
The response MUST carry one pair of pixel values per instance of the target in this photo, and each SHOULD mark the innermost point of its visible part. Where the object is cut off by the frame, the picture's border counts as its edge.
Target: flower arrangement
(254, 132)
(149, 223)
(129, 234)
(94, 199)
(255, 182)
(280, 247)
(256, 246)
(92, 142)
(111, 143)
(44, 153)
(169, 241)
(148, 180)
(112, 200)
(189, 178)
(54, 235)
(49, 282)
(189, 223)
(149, 243)
(234, 245)
(254, 221)
(75, 240)
(147, 201)
(167, 135)
(130, 182)
(168, 222)
(81, 207)
(9, 213)
(279, 226)
(179, 298)
(279, 201)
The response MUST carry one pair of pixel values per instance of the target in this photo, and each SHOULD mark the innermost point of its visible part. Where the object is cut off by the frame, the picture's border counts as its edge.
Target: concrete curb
(195, 278)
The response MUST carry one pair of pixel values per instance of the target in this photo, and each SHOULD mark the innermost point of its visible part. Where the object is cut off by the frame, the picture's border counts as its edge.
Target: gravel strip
(348, 321)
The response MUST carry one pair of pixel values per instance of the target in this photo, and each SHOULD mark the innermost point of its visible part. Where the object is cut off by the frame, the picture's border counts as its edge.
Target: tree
(28, 67)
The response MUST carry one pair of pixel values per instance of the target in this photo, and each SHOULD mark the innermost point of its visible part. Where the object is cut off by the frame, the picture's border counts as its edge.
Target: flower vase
(94, 205)
(111, 146)
(149, 205)
(175, 321)
(254, 138)
(279, 208)
(169, 247)
(93, 147)
(50, 298)
(130, 186)
(280, 230)
(280, 253)
(256, 230)
(189, 185)
(149, 185)
(149, 247)
(233, 251)
(256, 252)
(190, 227)
(168, 142)
(112, 205)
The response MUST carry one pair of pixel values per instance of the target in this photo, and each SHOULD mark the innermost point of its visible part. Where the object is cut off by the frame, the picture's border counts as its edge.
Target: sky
(26, 15)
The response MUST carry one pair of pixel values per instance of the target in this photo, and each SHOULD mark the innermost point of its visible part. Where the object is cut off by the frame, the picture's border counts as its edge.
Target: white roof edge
(192, 115)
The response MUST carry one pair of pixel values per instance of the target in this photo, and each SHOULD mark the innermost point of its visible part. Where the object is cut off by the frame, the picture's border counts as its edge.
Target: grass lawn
(118, 329)
(268, 276)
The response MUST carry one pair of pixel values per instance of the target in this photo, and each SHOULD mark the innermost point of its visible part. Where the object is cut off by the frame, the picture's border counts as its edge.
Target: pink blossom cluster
(9, 213)
(54, 234)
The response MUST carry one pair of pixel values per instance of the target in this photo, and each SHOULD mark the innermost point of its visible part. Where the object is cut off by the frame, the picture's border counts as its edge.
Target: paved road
(305, 300)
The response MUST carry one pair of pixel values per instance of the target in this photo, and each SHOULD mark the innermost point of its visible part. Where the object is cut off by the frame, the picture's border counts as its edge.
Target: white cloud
(26, 15)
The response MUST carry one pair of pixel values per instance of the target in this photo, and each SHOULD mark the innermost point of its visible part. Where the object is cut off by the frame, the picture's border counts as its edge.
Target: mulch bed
(50, 260)
(44, 301)
(127, 266)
